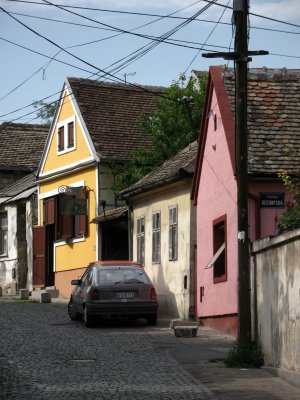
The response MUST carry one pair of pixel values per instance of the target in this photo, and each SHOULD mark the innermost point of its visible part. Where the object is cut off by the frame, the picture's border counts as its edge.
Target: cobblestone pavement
(44, 355)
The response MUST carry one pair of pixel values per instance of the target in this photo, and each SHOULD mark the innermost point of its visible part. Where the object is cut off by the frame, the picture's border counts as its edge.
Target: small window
(140, 236)
(3, 233)
(173, 233)
(66, 136)
(219, 259)
(156, 237)
(215, 122)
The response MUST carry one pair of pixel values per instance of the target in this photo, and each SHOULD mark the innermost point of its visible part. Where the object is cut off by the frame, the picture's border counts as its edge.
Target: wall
(9, 262)
(276, 270)
(168, 276)
(217, 196)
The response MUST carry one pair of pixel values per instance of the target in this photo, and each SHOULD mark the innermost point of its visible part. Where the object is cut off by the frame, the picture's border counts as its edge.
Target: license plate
(124, 295)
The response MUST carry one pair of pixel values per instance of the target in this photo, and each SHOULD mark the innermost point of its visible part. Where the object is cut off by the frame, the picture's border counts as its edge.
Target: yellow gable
(68, 145)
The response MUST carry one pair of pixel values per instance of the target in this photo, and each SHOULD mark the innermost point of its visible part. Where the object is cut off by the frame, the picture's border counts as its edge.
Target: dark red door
(39, 255)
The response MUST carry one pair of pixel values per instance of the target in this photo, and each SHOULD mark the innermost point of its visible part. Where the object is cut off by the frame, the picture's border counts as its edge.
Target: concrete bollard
(45, 297)
(24, 294)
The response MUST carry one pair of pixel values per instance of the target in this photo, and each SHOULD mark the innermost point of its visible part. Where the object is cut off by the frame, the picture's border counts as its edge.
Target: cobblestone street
(44, 355)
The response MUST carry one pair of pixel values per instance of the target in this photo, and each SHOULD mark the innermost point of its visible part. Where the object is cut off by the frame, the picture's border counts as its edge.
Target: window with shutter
(3, 233)
(66, 136)
(156, 237)
(71, 134)
(173, 233)
(141, 240)
(61, 138)
(219, 260)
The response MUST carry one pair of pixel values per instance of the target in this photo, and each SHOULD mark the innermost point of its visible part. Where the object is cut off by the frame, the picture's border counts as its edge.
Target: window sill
(220, 279)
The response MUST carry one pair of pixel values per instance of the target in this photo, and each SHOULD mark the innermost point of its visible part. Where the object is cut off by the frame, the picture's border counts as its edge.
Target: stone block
(24, 294)
(45, 297)
(181, 322)
(186, 331)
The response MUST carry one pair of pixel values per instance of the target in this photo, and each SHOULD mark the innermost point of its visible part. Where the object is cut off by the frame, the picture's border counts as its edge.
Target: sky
(42, 44)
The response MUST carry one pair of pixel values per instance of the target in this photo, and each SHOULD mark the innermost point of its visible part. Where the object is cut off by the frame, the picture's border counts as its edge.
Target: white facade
(173, 279)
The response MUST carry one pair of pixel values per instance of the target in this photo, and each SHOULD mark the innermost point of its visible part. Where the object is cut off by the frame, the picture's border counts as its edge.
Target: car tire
(152, 319)
(88, 320)
(73, 313)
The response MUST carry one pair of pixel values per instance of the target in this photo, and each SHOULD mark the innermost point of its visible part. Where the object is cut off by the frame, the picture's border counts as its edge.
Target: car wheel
(88, 320)
(152, 319)
(73, 313)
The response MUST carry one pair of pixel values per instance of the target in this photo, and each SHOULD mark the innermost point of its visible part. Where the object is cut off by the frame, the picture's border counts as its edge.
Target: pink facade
(215, 196)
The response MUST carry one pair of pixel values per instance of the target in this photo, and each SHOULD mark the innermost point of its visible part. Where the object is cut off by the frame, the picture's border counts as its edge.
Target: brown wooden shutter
(50, 211)
(39, 255)
(71, 134)
(61, 138)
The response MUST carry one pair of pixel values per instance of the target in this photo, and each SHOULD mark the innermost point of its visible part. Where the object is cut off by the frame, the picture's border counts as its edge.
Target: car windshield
(116, 275)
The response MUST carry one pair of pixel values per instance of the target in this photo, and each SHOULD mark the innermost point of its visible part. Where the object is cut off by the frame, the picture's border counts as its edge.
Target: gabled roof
(112, 114)
(179, 167)
(21, 145)
(22, 188)
(273, 120)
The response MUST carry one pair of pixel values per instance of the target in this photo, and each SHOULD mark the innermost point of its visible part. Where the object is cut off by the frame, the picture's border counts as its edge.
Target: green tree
(290, 218)
(173, 124)
(45, 111)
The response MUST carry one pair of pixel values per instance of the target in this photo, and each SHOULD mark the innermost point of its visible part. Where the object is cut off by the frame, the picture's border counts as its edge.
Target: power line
(212, 31)
(153, 15)
(100, 70)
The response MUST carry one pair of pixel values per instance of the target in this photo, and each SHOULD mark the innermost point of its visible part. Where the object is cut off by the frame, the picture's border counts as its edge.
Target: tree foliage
(45, 111)
(173, 124)
(290, 219)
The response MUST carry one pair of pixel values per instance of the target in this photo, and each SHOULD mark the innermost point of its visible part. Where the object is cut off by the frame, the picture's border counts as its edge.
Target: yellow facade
(75, 166)
(78, 253)
(81, 151)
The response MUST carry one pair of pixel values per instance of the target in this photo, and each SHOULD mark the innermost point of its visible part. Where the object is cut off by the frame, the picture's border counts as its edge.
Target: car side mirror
(76, 282)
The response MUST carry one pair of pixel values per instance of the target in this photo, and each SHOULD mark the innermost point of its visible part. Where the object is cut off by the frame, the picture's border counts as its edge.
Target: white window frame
(173, 233)
(4, 234)
(65, 124)
(156, 237)
(140, 240)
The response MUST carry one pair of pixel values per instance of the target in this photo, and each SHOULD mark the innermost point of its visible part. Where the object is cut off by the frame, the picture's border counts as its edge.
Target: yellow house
(164, 231)
(95, 123)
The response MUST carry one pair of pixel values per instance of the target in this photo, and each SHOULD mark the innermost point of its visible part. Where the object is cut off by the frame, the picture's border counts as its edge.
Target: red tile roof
(112, 114)
(21, 145)
(273, 119)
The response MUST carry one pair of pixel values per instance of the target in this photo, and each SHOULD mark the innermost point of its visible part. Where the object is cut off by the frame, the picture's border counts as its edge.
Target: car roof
(113, 263)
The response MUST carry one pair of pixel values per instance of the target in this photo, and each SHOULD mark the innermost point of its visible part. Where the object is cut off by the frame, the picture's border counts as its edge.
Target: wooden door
(39, 255)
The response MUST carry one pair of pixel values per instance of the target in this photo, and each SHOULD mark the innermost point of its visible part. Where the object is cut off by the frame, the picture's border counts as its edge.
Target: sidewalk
(201, 355)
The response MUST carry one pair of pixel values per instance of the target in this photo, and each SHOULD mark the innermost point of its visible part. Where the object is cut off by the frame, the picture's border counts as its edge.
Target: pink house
(273, 129)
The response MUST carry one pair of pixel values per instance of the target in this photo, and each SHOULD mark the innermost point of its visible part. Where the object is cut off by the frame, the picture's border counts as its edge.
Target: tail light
(95, 294)
(153, 295)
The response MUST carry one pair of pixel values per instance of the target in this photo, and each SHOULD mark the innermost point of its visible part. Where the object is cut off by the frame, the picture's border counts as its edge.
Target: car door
(81, 290)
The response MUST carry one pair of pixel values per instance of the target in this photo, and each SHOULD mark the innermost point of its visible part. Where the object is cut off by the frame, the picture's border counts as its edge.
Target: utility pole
(240, 16)
(241, 58)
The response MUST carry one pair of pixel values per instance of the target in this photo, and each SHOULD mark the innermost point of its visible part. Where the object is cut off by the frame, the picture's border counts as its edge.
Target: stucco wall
(275, 267)
(168, 276)
(9, 262)
(217, 196)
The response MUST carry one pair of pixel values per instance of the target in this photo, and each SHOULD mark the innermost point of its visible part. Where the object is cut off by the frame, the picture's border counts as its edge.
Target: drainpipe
(129, 222)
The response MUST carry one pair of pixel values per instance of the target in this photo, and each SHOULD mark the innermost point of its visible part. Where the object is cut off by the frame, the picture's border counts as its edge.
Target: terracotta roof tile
(112, 113)
(181, 165)
(273, 119)
(21, 145)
